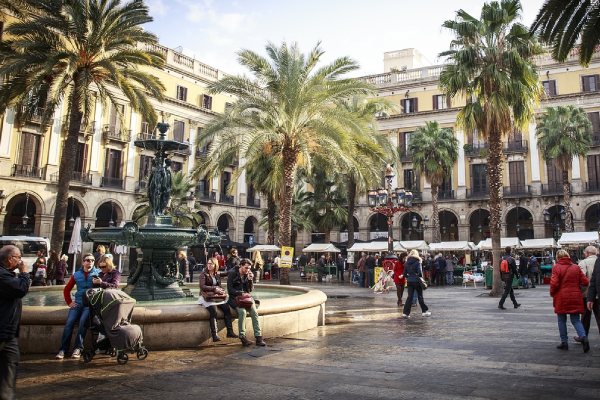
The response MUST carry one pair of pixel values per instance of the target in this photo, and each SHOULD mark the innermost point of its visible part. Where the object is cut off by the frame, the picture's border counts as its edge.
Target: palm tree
(490, 63)
(67, 51)
(564, 132)
(561, 23)
(288, 107)
(327, 202)
(434, 152)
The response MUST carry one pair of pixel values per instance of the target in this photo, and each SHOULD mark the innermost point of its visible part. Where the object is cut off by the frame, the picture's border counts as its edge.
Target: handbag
(423, 283)
(214, 297)
(244, 300)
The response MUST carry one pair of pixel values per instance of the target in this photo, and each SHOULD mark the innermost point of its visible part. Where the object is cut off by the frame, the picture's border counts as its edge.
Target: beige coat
(587, 266)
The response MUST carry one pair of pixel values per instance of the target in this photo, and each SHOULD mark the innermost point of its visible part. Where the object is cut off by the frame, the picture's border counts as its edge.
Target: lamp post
(417, 226)
(555, 221)
(389, 202)
(25, 218)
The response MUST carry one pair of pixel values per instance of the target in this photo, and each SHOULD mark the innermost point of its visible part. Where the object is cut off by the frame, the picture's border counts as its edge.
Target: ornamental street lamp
(389, 202)
(555, 221)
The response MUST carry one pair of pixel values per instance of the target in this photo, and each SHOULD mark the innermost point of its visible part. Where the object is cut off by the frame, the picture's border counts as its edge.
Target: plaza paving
(468, 348)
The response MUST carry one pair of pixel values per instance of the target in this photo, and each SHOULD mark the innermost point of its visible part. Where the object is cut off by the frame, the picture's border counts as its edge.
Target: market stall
(330, 269)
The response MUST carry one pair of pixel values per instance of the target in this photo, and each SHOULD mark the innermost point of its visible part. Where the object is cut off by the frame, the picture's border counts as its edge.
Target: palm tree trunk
(494, 170)
(271, 214)
(327, 235)
(285, 211)
(65, 171)
(351, 206)
(435, 218)
(567, 199)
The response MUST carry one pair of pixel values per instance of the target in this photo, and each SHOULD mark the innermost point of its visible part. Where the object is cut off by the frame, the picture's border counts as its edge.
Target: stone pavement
(468, 349)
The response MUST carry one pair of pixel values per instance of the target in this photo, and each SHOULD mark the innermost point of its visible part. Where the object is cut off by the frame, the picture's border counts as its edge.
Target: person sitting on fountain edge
(239, 281)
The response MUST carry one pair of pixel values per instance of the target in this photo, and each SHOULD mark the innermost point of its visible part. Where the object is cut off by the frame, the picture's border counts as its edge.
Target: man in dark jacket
(370, 264)
(239, 281)
(508, 278)
(13, 289)
(594, 290)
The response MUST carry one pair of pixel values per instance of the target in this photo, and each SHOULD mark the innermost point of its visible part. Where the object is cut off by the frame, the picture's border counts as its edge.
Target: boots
(245, 342)
(229, 325)
(213, 330)
(260, 341)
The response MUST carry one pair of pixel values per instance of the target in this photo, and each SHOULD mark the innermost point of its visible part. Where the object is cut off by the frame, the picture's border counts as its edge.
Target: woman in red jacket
(399, 278)
(565, 289)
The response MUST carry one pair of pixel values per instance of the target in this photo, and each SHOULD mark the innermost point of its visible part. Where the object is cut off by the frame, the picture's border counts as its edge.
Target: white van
(29, 246)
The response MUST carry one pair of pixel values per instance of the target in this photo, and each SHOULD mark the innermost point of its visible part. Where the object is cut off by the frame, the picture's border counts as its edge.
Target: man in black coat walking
(13, 289)
(508, 278)
(594, 290)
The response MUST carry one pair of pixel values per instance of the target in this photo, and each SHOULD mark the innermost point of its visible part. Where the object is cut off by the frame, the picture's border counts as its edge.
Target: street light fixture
(556, 221)
(72, 220)
(25, 218)
(389, 202)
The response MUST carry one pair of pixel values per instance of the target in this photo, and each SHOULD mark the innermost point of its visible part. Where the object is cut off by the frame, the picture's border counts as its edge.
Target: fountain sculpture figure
(155, 274)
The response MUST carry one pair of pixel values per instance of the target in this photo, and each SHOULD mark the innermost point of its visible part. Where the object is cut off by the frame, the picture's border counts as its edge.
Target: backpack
(504, 267)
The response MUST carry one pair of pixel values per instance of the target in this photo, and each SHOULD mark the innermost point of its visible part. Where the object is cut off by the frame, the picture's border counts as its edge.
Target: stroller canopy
(112, 305)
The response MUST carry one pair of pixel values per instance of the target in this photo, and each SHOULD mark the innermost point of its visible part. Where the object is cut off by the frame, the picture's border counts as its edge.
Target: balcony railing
(250, 202)
(225, 199)
(77, 177)
(112, 182)
(446, 195)
(592, 187)
(210, 197)
(116, 133)
(595, 139)
(36, 116)
(553, 189)
(478, 194)
(201, 152)
(476, 150)
(404, 156)
(28, 171)
(516, 191)
(141, 185)
(146, 136)
(183, 152)
(515, 147)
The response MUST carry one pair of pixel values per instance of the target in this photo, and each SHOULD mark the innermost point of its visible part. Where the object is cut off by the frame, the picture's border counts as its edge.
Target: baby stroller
(111, 327)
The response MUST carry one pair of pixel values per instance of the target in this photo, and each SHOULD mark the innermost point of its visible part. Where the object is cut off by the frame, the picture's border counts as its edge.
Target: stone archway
(344, 230)
(225, 225)
(22, 215)
(554, 221)
(592, 217)
(519, 223)
(378, 226)
(250, 231)
(479, 225)
(411, 226)
(108, 214)
(448, 226)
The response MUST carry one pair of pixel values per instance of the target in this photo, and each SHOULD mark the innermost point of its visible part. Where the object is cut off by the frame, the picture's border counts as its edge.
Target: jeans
(449, 277)
(242, 312)
(412, 288)
(340, 273)
(79, 314)
(562, 326)
(9, 360)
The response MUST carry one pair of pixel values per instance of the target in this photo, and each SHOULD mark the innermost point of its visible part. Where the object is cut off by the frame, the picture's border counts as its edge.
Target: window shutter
(596, 82)
(435, 102)
(593, 164)
(553, 88)
(416, 103)
(595, 120)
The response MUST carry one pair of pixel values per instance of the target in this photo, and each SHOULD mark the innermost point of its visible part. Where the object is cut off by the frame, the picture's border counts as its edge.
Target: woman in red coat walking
(565, 289)
(399, 278)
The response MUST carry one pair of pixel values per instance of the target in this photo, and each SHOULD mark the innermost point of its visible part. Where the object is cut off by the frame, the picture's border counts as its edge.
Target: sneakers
(426, 314)
(60, 355)
(404, 316)
(76, 353)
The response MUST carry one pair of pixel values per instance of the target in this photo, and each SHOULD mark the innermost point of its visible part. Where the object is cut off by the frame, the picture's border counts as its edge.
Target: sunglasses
(89, 260)
(102, 265)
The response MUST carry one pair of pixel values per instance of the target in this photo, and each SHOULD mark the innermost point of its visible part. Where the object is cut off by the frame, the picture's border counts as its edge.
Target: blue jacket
(82, 283)
(412, 269)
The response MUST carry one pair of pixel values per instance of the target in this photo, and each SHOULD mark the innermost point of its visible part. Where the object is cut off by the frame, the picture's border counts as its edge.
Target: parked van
(29, 246)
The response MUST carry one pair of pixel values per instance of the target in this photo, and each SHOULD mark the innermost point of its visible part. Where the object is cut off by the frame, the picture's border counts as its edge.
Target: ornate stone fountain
(155, 274)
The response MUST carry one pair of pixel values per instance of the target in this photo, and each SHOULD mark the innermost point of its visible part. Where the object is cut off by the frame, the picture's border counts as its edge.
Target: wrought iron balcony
(112, 182)
(553, 189)
(515, 147)
(446, 195)
(595, 139)
(250, 202)
(225, 199)
(516, 191)
(475, 150)
(184, 152)
(405, 156)
(146, 136)
(84, 178)
(28, 171)
(36, 116)
(201, 152)
(207, 197)
(592, 187)
(478, 194)
(116, 133)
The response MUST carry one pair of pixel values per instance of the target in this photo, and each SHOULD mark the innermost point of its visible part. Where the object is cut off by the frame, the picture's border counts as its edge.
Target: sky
(214, 31)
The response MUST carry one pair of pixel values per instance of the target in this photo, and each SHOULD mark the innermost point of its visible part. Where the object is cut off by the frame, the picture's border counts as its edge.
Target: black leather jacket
(594, 288)
(236, 285)
(12, 290)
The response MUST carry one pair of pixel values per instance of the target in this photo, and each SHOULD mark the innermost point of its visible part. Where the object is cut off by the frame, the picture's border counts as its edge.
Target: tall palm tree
(68, 50)
(327, 201)
(490, 63)
(289, 107)
(561, 23)
(434, 152)
(564, 132)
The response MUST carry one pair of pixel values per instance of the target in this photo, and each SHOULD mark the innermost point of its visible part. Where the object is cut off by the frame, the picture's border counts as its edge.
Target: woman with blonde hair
(61, 270)
(109, 277)
(565, 289)
(213, 295)
(413, 271)
(257, 265)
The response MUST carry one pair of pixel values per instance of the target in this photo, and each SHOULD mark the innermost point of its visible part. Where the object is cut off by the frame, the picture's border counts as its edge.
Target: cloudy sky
(213, 31)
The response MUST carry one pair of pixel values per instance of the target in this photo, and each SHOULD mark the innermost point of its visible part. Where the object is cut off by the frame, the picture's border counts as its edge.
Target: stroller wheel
(122, 358)
(142, 353)
(111, 352)
(88, 356)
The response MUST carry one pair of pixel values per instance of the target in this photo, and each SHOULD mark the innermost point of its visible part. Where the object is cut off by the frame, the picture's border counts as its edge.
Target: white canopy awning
(414, 244)
(547, 243)
(374, 247)
(462, 245)
(320, 248)
(263, 247)
(513, 242)
(579, 238)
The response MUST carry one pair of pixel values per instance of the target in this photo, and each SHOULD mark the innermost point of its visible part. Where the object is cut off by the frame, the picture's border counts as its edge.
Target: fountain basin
(173, 326)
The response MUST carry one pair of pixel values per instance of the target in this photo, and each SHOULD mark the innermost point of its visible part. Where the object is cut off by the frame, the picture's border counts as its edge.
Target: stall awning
(547, 243)
(263, 247)
(452, 246)
(414, 244)
(513, 242)
(320, 248)
(578, 238)
(375, 246)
